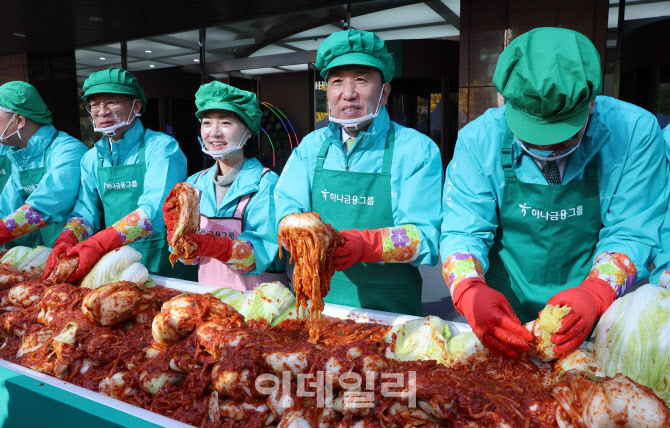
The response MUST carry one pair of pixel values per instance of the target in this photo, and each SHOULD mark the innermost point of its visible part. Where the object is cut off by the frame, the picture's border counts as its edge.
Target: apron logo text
(348, 199)
(553, 215)
(121, 185)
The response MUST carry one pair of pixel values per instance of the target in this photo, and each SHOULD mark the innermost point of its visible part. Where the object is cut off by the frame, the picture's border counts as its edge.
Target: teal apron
(29, 180)
(5, 170)
(120, 190)
(342, 198)
(546, 237)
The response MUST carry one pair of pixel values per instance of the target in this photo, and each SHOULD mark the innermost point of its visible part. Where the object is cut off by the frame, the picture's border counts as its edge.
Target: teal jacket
(5, 167)
(260, 226)
(632, 176)
(416, 176)
(166, 166)
(56, 193)
(662, 254)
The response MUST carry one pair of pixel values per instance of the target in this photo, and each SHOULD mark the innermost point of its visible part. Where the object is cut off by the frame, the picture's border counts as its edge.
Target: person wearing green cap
(124, 180)
(43, 163)
(555, 198)
(377, 182)
(661, 255)
(236, 245)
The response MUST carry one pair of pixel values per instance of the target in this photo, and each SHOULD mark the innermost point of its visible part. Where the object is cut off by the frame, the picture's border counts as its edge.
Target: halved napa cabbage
(16, 256)
(420, 339)
(112, 268)
(291, 313)
(269, 301)
(543, 328)
(633, 338)
(231, 296)
(137, 273)
(27, 259)
(464, 345)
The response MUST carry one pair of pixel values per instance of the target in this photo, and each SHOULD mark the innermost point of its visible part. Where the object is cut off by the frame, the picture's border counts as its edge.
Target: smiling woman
(236, 242)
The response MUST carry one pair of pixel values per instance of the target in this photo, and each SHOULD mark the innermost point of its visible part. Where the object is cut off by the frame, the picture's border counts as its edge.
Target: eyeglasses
(108, 105)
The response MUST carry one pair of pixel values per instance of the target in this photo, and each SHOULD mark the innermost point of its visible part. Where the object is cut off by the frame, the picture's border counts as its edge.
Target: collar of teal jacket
(123, 147)
(375, 131)
(597, 135)
(37, 144)
(246, 182)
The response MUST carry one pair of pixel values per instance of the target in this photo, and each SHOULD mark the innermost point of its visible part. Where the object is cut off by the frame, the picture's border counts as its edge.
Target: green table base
(28, 402)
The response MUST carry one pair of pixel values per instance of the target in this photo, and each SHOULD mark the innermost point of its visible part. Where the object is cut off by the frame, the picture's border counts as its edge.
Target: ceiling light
(18, 35)
(102, 58)
(147, 51)
(95, 19)
(196, 60)
(151, 66)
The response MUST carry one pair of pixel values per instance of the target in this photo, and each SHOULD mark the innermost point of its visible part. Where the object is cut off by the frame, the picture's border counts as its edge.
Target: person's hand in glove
(90, 251)
(491, 317)
(216, 247)
(5, 235)
(587, 303)
(360, 246)
(65, 241)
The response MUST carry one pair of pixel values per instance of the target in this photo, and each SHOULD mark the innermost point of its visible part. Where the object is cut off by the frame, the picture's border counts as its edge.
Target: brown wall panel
(13, 67)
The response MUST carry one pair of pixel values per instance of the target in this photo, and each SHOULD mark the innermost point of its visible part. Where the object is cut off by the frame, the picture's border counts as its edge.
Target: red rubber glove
(587, 303)
(5, 235)
(491, 317)
(65, 241)
(90, 251)
(216, 247)
(360, 246)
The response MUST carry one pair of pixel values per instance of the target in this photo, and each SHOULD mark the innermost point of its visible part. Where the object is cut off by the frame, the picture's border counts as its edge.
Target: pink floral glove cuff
(242, 257)
(79, 227)
(134, 227)
(459, 267)
(401, 244)
(615, 268)
(24, 221)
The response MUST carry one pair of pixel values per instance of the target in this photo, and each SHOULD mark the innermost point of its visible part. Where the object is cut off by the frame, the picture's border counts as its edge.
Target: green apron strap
(508, 139)
(388, 150)
(322, 155)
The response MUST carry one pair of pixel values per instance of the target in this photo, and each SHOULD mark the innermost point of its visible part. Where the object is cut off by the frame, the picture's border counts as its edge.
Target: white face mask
(18, 131)
(225, 153)
(110, 131)
(548, 155)
(354, 123)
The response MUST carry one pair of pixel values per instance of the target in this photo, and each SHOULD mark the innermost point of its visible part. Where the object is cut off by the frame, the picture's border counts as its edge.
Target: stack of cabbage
(633, 338)
(28, 260)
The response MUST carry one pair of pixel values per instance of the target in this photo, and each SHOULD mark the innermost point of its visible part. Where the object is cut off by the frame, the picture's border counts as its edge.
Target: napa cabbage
(633, 338)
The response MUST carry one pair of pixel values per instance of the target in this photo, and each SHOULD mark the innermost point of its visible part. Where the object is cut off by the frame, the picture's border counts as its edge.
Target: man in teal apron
(555, 198)
(377, 182)
(44, 167)
(124, 180)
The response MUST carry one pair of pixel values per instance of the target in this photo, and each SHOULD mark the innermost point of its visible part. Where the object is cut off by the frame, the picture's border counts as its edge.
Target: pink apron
(217, 274)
